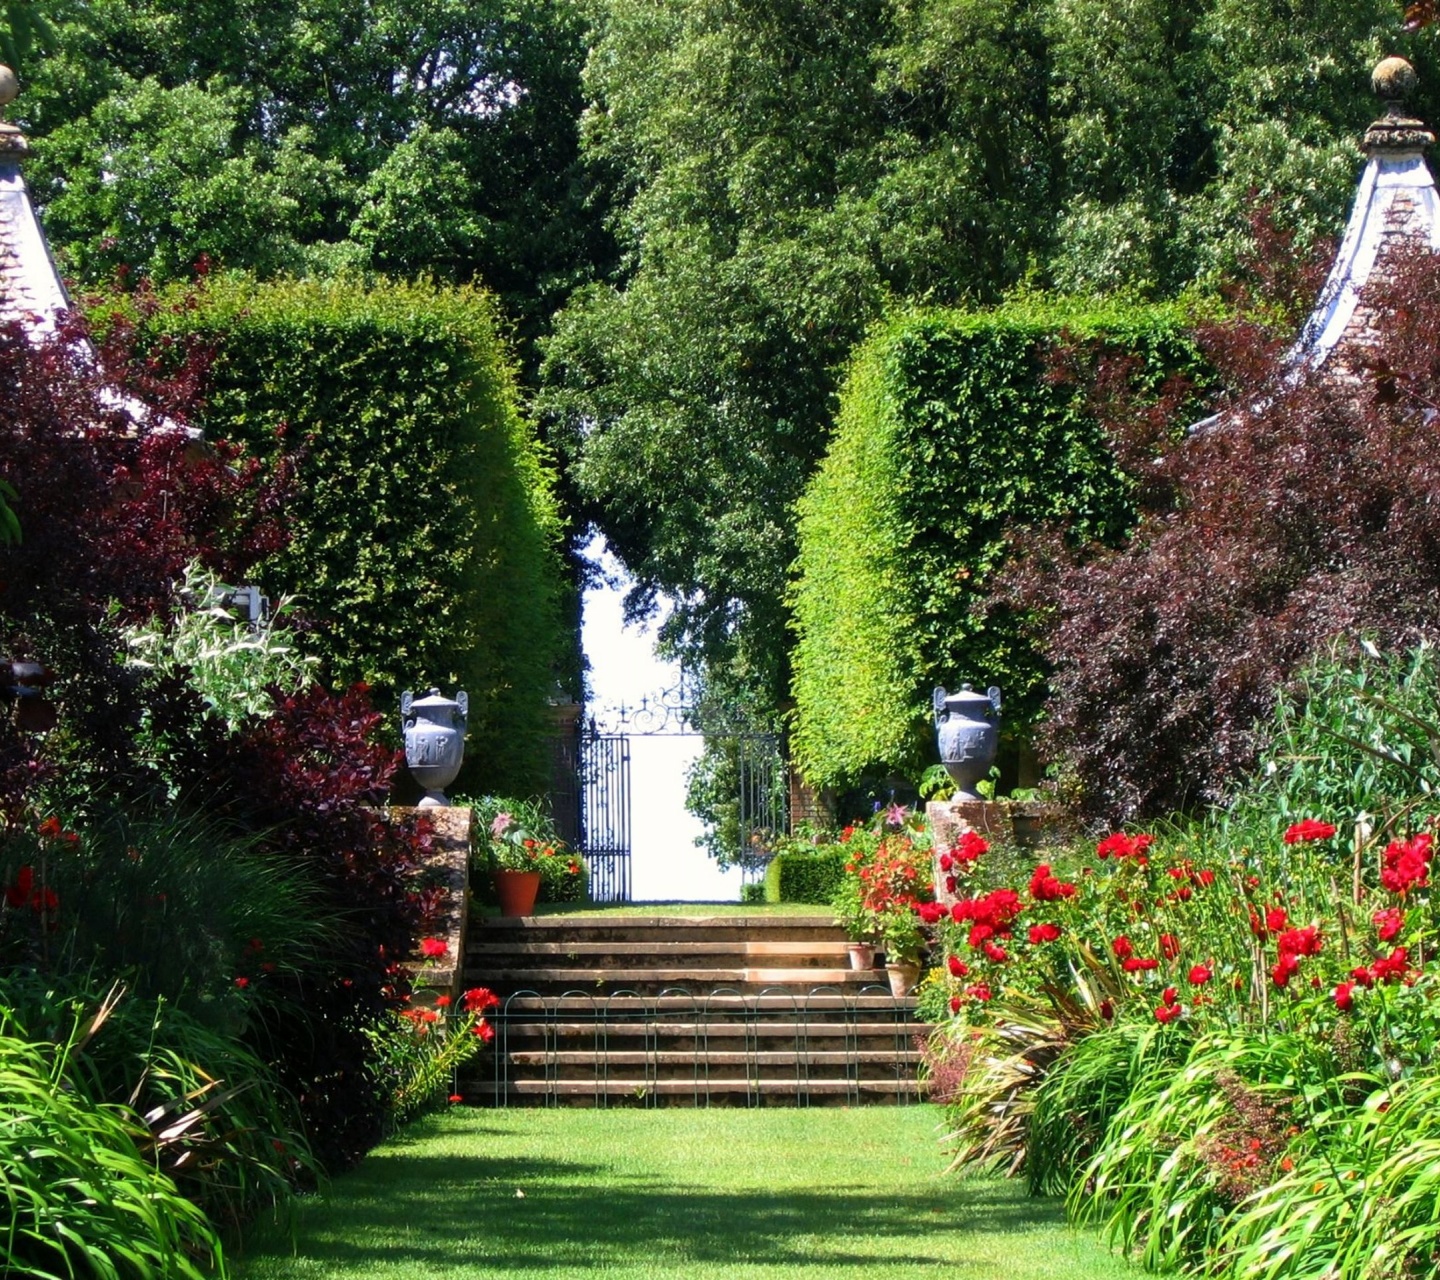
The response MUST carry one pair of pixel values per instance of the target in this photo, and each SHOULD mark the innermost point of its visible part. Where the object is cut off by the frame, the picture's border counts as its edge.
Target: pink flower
(1307, 830)
(500, 824)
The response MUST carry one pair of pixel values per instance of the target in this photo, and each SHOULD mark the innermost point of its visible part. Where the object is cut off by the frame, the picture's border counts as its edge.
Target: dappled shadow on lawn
(438, 1213)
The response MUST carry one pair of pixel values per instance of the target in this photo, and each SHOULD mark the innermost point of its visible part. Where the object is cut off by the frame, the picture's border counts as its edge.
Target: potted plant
(853, 912)
(514, 864)
(904, 939)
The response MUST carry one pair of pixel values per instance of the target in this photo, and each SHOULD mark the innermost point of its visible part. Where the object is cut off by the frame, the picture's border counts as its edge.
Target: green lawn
(659, 1195)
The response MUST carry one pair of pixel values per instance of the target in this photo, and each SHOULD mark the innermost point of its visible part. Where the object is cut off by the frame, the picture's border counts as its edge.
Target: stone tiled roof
(1396, 206)
(30, 288)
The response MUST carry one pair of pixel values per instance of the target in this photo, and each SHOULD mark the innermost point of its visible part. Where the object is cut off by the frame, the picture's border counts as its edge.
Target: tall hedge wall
(950, 429)
(424, 526)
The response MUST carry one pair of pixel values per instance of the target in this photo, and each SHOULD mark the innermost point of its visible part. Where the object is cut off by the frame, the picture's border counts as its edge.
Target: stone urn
(434, 740)
(968, 727)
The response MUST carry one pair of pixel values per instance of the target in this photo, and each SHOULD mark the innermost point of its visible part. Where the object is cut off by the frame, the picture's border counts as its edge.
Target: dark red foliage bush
(113, 499)
(311, 778)
(1305, 511)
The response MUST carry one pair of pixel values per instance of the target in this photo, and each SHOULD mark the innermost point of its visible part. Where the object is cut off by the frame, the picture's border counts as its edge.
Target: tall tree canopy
(790, 170)
(404, 136)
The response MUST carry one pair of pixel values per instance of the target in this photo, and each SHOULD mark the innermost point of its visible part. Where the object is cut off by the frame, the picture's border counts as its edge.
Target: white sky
(666, 865)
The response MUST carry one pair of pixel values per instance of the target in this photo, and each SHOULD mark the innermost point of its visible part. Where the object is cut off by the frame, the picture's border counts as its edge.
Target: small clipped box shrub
(805, 877)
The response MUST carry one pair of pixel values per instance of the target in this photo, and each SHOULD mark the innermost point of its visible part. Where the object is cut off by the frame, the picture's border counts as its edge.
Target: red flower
(1107, 1011)
(1041, 933)
(980, 991)
(1309, 829)
(1363, 976)
(1047, 888)
(485, 1031)
(958, 968)
(1345, 996)
(1388, 922)
(18, 894)
(996, 953)
(1169, 946)
(1393, 967)
(478, 999)
(1407, 864)
(50, 829)
(930, 912)
(1119, 845)
(456, 1097)
(1276, 919)
(1284, 968)
(242, 982)
(970, 846)
(1123, 947)
(1139, 964)
(1206, 878)
(1200, 974)
(1170, 996)
(1167, 1013)
(432, 947)
(1300, 942)
(955, 1003)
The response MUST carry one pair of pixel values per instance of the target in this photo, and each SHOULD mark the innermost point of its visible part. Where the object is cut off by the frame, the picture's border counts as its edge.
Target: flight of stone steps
(726, 1010)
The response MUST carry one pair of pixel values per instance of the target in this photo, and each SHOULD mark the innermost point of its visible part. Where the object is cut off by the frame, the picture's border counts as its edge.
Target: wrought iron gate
(605, 814)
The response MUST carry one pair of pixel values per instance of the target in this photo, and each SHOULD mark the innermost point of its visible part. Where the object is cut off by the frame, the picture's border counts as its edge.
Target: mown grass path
(659, 1195)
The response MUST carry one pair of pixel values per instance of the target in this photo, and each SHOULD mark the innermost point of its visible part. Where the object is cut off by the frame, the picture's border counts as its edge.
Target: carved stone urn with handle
(968, 727)
(434, 740)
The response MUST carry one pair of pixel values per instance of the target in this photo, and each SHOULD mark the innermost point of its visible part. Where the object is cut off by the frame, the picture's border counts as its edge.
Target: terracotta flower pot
(862, 955)
(517, 891)
(903, 978)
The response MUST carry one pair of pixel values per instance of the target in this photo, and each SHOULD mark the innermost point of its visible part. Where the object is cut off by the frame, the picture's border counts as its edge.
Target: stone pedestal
(448, 869)
(950, 819)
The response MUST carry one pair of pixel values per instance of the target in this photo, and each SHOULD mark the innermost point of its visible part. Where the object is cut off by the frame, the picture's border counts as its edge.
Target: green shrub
(950, 430)
(805, 876)
(423, 523)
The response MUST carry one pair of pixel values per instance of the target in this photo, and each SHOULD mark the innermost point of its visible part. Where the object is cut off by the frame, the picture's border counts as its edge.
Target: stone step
(595, 928)
(716, 1090)
(643, 981)
(713, 1005)
(611, 1058)
(714, 1032)
(816, 952)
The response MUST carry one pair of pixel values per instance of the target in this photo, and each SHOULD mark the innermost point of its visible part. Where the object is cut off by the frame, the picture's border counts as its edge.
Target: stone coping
(448, 866)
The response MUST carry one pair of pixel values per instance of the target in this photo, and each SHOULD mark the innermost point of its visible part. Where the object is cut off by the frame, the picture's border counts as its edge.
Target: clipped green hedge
(424, 525)
(948, 432)
(805, 877)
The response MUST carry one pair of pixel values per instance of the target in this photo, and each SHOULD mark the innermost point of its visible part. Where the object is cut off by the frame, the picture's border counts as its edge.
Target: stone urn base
(517, 891)
(862, 955)
(903, 978)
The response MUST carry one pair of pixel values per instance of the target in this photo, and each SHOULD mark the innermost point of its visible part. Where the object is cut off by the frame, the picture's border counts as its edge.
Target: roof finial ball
(1393, 79)
(1396, 132)
(12, 141)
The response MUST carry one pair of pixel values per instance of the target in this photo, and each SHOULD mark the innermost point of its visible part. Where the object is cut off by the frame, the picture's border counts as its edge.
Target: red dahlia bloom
(1345, 996)
(1407, 864)
(1045, 887)
(1300, 942)
(958, 968)
(1388, 923)
(980, 991)
(1123, 947)
(1276, 919)
(970, 846)
(996, 953)
(1119, 845)
(1284, 969)
(1170, 996)
(1307, 830)
(1041, 933)
(1167, 1013)
(1200, 974)
(930, 912)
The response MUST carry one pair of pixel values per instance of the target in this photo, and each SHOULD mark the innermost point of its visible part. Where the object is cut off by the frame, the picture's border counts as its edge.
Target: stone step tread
(820, 948)
(754, 977)
(622, 1004)
(710, 1086)
(586, 923)
(515, 1028)
(722, 1058)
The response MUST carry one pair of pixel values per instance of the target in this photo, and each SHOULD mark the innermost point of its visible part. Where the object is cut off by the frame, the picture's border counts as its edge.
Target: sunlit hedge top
(950, 429)
(424, 526)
